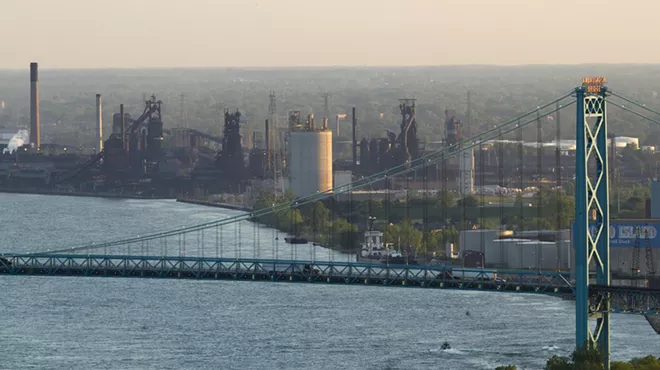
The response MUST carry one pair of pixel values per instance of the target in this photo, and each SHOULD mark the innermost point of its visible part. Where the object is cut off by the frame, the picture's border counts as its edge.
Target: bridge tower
(592, 222)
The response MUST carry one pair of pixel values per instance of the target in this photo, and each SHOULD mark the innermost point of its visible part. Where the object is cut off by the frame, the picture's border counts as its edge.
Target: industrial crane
(635, 255)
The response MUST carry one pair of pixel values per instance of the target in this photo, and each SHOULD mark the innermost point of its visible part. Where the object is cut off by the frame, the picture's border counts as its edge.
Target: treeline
(589, 358)
(429, 222)
(327, 223)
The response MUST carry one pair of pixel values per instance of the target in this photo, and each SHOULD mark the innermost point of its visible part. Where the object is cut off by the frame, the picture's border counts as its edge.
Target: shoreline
(207, 203)
(78, 194)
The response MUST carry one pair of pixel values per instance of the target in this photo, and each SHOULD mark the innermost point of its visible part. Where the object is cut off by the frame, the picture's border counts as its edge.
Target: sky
(281, 33)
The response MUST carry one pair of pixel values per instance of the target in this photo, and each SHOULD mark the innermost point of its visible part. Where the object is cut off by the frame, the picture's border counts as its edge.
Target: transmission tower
(650, 266)
(635, 256)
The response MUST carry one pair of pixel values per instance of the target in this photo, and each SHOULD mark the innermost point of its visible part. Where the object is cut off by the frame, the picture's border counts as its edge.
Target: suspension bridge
(243, 247)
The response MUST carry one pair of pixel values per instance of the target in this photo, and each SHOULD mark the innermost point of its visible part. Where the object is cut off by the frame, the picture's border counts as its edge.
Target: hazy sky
(209, 33)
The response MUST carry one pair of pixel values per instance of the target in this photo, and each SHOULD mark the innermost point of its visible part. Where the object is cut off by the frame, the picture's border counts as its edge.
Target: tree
(469, 202)
(445, 199)
(316, 216)
(404, 232)
(646, 363)
(507, 367)
(487, 224)
(621, 366)
(344, 235)
(558, 363)
(558, 209)
(587, 357)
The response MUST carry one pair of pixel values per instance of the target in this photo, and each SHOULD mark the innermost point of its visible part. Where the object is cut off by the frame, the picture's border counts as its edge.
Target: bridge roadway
(285, 270)
(622, 299)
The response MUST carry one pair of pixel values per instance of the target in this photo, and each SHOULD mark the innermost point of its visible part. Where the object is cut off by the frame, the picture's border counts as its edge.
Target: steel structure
(622, 299)
(590, 236)
(591, 233)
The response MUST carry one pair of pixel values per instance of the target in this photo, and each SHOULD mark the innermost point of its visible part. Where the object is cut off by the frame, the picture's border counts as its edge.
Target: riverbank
(208, 203)
(78, 194)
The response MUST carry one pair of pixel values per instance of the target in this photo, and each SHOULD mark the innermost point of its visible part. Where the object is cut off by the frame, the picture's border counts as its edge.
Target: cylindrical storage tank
(498, 255)
(549, 259)
(564, 250)
(478, 240)
(624, 141)
(310, 162)
(515, 254)
(537, 254)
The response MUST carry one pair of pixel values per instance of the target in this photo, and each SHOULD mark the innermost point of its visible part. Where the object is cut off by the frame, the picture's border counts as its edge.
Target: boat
(295, 240)
(375, 251)
(445, 346)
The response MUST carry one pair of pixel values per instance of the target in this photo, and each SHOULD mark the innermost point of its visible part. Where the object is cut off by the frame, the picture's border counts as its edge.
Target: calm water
(87, 323)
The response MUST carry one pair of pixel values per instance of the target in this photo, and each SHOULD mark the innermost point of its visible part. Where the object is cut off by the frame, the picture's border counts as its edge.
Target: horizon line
(339, 66)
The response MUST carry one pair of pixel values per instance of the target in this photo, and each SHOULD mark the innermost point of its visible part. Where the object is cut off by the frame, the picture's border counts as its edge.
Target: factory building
(526, 250)
(310, 156)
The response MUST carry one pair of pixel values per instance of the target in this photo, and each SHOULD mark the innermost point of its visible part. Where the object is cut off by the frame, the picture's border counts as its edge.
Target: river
(81, 323)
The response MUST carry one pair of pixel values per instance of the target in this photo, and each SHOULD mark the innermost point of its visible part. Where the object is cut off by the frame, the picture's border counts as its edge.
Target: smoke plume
(18, 140)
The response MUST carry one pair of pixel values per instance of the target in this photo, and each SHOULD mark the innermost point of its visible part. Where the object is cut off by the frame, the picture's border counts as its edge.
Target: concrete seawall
(77, 194)
(200, 202)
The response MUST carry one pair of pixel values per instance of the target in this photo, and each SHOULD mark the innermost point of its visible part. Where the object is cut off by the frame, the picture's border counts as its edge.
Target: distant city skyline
(290, 33)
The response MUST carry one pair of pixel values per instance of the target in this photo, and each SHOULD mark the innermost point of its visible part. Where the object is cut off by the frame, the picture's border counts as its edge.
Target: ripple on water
(86, 323)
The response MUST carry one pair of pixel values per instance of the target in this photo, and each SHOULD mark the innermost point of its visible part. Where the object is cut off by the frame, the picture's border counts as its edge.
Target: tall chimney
(99, 123)
(267, 132)
(123, 126)
(354, 138)
(35, 135)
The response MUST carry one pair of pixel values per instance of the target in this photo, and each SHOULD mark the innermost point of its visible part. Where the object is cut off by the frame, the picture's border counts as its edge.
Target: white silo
(310, 162)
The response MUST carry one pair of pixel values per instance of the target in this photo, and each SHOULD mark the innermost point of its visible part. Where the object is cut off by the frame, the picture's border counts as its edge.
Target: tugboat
(375, 251)
(445, 346)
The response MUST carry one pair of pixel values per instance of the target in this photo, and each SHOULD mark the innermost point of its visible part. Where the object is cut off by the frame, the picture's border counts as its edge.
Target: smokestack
(267, 145)
(354, 138)
(248, 134)
(35, 127)
(123, 126)
(99, 123)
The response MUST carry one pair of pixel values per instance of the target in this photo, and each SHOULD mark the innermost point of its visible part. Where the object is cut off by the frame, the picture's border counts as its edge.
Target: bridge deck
(622, 299)
(284, 270)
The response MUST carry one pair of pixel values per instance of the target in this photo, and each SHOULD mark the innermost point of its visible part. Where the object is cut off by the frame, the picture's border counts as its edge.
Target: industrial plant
(146, 157)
